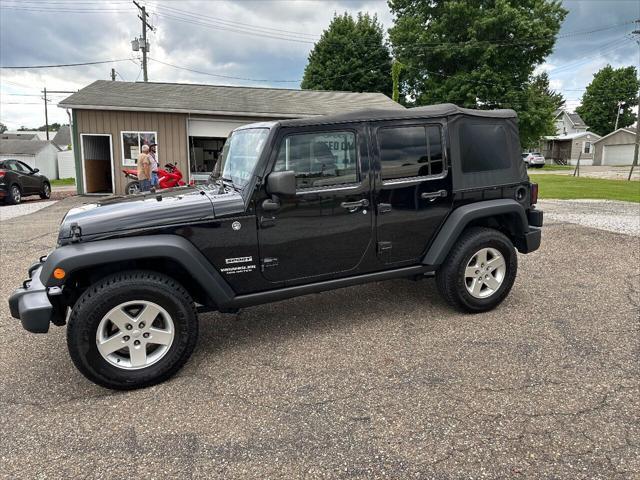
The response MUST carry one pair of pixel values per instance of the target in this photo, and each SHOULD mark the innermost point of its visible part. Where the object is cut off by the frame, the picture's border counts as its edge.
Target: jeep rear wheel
(132, 330)
(479, 271)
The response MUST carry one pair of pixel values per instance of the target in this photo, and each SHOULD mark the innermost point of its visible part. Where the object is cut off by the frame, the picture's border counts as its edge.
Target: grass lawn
(63, 181)
(555, 167)
(569, 187)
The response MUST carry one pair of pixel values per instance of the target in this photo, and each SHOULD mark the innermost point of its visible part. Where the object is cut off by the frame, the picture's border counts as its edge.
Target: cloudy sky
(242, 42)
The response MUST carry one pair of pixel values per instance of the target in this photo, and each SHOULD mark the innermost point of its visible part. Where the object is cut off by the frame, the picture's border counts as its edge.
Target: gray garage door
(617, 154)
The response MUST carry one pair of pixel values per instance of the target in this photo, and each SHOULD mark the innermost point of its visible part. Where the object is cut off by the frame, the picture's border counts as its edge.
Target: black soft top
(431, 111)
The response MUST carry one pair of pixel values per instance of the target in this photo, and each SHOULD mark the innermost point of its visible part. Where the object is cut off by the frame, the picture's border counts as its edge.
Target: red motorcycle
(168, 177)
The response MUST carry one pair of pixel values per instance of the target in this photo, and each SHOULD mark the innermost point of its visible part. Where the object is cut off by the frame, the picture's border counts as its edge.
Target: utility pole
(635, 150)
(46, 113)
(113, 74)
(145, 45)
(46, 110)
(620, 103)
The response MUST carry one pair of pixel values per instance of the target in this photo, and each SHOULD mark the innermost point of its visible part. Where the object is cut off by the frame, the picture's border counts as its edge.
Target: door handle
(353, 205)
(434, 195)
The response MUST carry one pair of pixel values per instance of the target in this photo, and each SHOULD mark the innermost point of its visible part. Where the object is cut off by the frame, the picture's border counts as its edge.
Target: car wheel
(479, 270)
(132, 188)
(46, 191)
(15, 195)
(132, 330)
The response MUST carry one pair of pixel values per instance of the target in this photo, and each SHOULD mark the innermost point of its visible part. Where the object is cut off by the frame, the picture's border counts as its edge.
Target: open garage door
(206, 139)
(617, 154)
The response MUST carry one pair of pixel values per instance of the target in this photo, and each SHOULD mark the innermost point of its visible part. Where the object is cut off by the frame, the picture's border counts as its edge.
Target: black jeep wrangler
(293, 207)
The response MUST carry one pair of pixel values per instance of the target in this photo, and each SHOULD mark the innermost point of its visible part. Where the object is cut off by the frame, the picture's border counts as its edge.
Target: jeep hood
(169, 207)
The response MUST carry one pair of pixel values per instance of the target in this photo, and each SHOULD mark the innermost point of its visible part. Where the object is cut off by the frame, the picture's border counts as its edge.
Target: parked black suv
(294, 207)
(18, 180)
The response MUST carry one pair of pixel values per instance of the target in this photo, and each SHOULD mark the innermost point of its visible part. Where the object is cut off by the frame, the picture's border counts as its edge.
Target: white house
(567, 149)
(38, 154)
(568, 123)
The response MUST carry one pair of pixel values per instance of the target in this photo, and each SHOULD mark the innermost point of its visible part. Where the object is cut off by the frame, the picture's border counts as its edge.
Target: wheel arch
(168, 254)
(505, 215)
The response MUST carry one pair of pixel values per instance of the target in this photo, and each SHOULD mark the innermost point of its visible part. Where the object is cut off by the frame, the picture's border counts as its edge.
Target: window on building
(413, 151)
(132, 143)
(586, 147)
(319, 159)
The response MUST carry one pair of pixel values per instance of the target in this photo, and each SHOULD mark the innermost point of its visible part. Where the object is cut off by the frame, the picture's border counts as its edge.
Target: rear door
(412, 188)
(325, 228)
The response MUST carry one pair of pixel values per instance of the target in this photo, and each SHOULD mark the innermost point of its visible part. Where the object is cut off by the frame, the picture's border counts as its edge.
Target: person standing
(144, 169)
(155, 182)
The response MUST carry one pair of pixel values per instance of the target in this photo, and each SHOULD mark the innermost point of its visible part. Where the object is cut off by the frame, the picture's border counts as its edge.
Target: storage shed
(616, 148)
(190, 123)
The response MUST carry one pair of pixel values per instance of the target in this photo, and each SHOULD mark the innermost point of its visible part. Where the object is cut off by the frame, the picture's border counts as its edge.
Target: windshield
(240, 156)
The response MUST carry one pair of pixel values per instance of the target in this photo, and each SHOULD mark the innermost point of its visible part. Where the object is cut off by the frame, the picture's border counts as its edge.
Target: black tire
(46, 191)
(132, 188)
(14, 196)
(112, 291)
(450, 277)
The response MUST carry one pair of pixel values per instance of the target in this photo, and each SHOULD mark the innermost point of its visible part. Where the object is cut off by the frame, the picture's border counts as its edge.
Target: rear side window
(319, 159)
(412, 151)
(483, 147)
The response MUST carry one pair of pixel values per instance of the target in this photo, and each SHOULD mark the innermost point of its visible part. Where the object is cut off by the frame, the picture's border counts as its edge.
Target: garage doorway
(204, 153)
(97, 163)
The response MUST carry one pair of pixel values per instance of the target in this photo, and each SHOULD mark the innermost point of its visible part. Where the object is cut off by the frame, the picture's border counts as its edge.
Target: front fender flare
(78, 256)
(462, 216)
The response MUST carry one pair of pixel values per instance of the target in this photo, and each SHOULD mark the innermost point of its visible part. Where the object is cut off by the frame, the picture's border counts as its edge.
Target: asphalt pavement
(376, 381)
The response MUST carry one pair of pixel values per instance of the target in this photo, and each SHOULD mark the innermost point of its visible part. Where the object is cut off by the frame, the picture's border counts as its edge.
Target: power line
(224, 76)
(63, 64)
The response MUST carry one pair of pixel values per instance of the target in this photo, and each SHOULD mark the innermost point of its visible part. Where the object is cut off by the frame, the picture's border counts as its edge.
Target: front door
(325, 228)
(413, 191)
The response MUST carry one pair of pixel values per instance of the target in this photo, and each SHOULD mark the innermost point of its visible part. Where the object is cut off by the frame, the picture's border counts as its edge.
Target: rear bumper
(530, 241)
(30, 304)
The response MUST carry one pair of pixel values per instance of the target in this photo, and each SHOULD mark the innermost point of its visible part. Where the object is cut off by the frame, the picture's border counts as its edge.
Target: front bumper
(31, 305)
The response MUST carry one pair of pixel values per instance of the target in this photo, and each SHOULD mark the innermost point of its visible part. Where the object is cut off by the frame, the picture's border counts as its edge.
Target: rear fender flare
(462, 216)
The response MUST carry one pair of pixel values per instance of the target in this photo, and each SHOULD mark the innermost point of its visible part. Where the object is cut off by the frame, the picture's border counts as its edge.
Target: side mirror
(35, 170)
(282, 183)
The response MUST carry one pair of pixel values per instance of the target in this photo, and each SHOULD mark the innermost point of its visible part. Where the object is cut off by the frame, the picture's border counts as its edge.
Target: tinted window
(410, 151)
(483, 147)
(319, 159)
(21, 167)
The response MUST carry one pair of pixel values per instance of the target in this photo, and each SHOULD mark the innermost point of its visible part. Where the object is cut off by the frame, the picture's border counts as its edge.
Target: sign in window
(132, 143)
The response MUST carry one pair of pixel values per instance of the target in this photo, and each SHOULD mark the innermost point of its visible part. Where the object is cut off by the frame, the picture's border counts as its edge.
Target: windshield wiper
(230, 182)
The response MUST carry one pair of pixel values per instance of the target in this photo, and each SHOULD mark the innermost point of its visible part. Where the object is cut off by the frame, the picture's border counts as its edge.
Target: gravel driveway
(614, 216)
(380, 380)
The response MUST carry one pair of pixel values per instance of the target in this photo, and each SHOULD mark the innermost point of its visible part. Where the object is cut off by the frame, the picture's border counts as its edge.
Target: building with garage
(40, 154)
(189, 123)
(566, 149)
(616, 148)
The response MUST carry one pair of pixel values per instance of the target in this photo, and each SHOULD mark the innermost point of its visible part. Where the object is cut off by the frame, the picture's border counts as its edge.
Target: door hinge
(268, 262)
(383, 247)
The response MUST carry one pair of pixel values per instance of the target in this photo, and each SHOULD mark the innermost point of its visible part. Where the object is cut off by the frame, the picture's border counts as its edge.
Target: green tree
(599, 106)
(477, 54)
(350, 55)
(3, 128)
(536, 120)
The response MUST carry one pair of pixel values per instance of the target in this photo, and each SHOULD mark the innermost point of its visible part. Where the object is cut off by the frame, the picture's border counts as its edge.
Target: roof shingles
(150, 96)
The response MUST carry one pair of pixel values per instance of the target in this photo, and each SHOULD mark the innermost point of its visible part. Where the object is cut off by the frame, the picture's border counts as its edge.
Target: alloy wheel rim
(47, 192)
(485, 273)
(135, 335)
(16, 194)
(133, 189)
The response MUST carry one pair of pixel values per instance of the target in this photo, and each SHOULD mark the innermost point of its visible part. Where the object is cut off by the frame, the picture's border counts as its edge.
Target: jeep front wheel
(132, 330)
(479, 271)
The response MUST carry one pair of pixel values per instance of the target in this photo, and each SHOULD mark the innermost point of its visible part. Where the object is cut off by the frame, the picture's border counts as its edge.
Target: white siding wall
(66, 164)
(46, 160)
